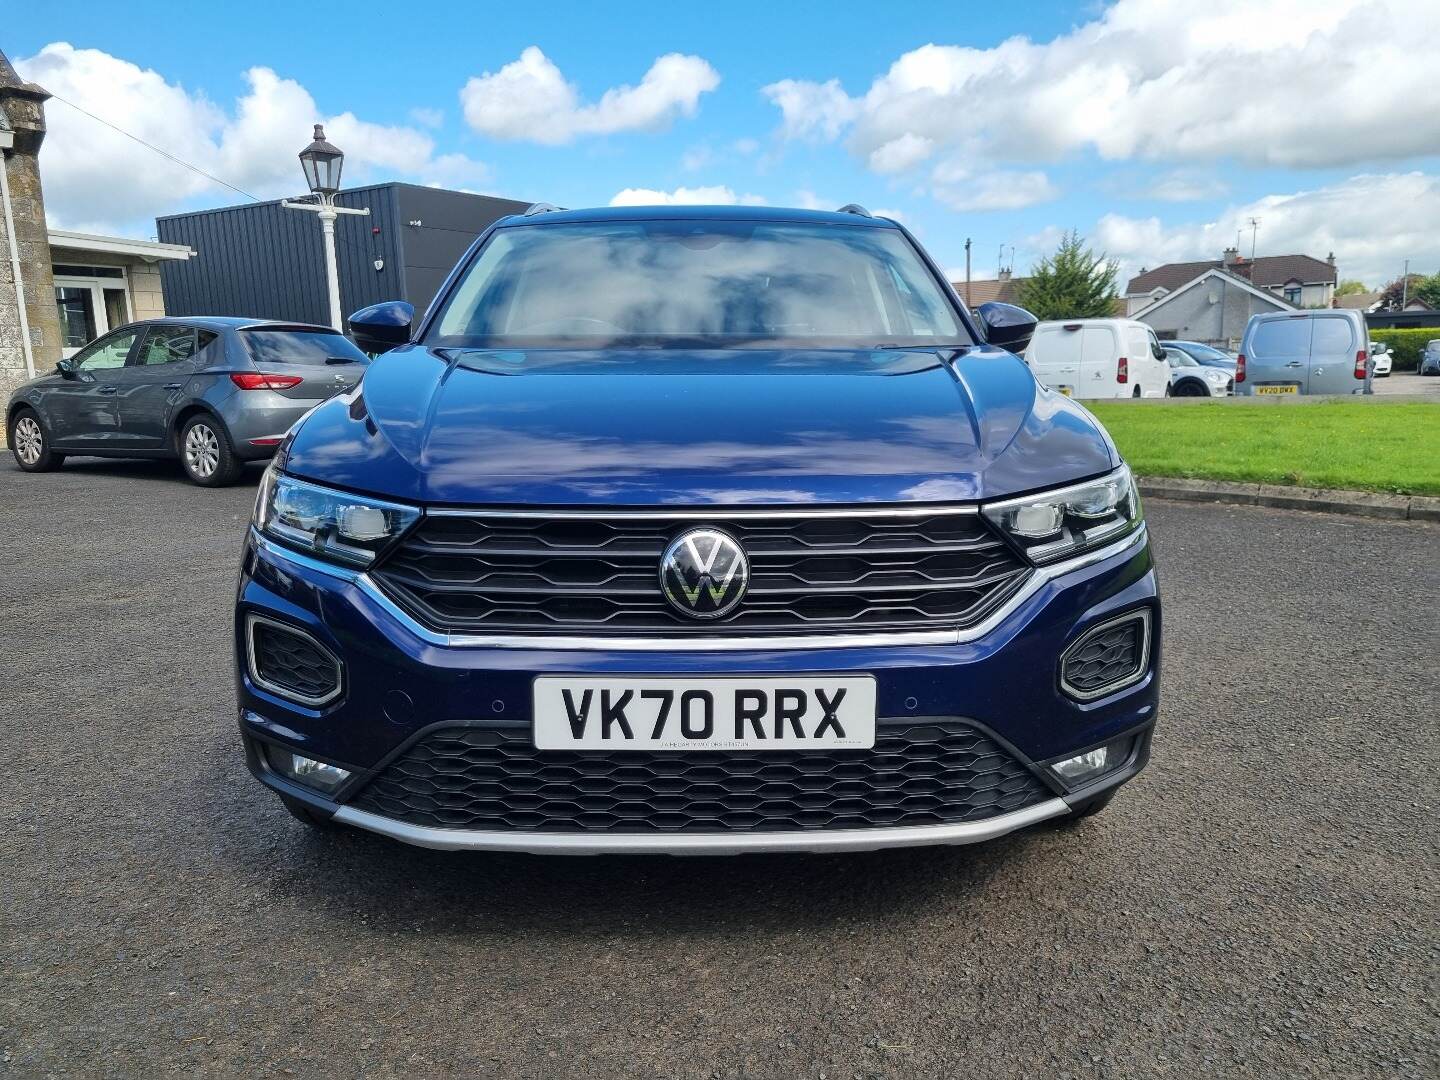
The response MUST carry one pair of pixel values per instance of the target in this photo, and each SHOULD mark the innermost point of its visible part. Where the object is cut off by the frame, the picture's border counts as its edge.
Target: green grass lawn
(1365, 444)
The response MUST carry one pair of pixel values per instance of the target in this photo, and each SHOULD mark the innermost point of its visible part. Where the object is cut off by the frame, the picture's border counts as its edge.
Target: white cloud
(901, 154)
(717, 195)
(1183, 185)
(961, 189)
(431, 118)
(97, 179)
(1372, 223)
(1265, 82)
(529, 99)
(812, 110)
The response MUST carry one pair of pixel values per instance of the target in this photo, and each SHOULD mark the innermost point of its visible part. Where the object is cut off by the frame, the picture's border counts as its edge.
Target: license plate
(1067, 391)
(740, 713)
(1288, 388)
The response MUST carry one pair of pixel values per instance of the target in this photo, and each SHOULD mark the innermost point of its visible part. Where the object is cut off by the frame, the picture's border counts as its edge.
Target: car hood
(670, 427)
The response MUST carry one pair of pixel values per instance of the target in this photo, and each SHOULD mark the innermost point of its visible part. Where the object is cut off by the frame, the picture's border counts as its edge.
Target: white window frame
(97, 287)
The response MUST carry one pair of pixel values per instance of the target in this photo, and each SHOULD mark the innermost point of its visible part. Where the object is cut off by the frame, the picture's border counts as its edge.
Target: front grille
(1106, 658)
(599, 574)
(930, 773)
(290, 663)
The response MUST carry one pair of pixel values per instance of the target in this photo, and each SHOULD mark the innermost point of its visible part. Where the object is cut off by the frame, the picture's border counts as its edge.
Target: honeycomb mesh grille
(490, 572)
(1105, 657)
(292, 662)
(931, 773)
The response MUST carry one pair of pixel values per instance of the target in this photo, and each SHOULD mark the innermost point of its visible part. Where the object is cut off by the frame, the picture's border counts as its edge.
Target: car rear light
(1122, 371)
(1240, 368)
(258, 380)
(1360, 363)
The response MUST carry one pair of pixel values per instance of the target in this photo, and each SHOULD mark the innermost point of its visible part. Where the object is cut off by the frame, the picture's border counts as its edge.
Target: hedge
(1406, 345)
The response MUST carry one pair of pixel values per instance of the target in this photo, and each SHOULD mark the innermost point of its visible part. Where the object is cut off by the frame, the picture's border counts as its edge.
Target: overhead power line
(159, 150)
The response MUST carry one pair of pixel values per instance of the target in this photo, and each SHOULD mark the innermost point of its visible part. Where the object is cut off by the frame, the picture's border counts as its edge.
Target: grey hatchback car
(213, 392)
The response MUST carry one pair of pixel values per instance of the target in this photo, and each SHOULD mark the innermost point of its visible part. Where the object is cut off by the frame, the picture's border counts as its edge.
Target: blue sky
(1156, 130)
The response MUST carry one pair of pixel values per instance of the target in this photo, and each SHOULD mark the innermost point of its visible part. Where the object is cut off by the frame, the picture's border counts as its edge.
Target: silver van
(1303, 352)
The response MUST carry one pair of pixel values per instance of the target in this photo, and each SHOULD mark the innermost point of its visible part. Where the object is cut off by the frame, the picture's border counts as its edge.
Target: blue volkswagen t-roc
(696, 530)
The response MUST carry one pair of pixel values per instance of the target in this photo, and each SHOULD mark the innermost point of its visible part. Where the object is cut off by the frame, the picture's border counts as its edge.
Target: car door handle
(173, 385)
(1296, 363)
(107, 390)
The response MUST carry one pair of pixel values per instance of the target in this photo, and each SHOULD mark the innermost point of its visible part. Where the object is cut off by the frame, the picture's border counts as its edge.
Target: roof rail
(540, 208)
(854, 208)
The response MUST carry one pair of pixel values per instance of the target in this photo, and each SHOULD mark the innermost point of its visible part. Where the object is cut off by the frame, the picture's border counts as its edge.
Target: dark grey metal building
(265, 261)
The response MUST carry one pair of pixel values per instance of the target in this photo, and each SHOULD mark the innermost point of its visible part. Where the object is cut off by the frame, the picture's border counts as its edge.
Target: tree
(1073, 283)
(1397, 292)
(1429, 290)
(1350, 288)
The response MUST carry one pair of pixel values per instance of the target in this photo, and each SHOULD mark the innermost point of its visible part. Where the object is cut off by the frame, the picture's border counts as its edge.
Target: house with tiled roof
(1301, 281)
(1005, 290)
(1212, 307)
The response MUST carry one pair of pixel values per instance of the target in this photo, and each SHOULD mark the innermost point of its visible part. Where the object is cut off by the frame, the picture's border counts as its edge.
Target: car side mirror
(382, 327)
(65, 369)
(1006, 326)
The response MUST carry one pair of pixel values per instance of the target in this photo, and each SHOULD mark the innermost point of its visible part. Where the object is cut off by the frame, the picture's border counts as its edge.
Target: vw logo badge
(704, 573)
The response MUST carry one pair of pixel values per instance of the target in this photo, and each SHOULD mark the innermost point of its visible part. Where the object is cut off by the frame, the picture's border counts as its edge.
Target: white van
(1099, 358)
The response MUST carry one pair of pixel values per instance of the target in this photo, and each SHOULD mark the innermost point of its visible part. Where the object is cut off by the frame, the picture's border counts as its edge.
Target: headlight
(1067, 521)
(333, 524)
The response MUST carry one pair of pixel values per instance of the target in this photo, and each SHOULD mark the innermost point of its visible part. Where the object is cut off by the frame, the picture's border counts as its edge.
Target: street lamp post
(322, 163)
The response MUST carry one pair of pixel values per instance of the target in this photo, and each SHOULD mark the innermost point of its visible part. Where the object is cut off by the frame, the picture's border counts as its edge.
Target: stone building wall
(24, 107)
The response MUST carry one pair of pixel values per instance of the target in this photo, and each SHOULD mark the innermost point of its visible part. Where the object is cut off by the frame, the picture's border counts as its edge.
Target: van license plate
(1288, 388)
(739, 713)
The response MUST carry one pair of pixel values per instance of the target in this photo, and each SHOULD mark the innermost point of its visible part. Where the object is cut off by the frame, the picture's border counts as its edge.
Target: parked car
(1380, 353)
(1430, 358)
(696, 529)
(1205, 355)
(1189, 378)
(1099, 358)
(1305, 352)
(213, 392)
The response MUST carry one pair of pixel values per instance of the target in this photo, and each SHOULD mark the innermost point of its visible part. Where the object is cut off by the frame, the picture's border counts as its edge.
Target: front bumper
(403, 682)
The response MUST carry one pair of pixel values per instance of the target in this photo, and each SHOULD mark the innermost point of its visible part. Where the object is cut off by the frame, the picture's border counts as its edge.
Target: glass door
(88, 308)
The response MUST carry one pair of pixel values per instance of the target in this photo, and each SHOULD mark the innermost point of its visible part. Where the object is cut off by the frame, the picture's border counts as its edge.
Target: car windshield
(699, 283)
(300, 347)
(1206, 352)
(1180, 359)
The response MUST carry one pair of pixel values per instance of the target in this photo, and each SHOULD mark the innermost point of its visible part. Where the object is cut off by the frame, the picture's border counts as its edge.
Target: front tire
(29, 444)
(206, 454)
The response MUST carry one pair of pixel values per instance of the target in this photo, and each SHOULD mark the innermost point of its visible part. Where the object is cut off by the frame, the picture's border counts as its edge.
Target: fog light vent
(313, 774)
(287, 661)
(1108, 657)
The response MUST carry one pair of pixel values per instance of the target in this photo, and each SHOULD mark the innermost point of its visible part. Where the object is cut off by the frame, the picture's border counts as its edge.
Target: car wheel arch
(183, 416)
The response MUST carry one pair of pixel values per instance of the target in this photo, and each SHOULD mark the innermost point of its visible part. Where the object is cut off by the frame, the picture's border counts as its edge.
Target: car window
(1055, 345)
(1155, 350)
(1281, 337)
(1205, 352)
(698, 282)
(108, 352)
(167, 345)
(1333, 336)
(300, 347)
(1179, 359)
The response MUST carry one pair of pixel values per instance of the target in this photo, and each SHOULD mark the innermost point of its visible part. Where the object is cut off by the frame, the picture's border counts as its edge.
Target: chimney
(1330, 258)
(1232, 257)
(1005, 275)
